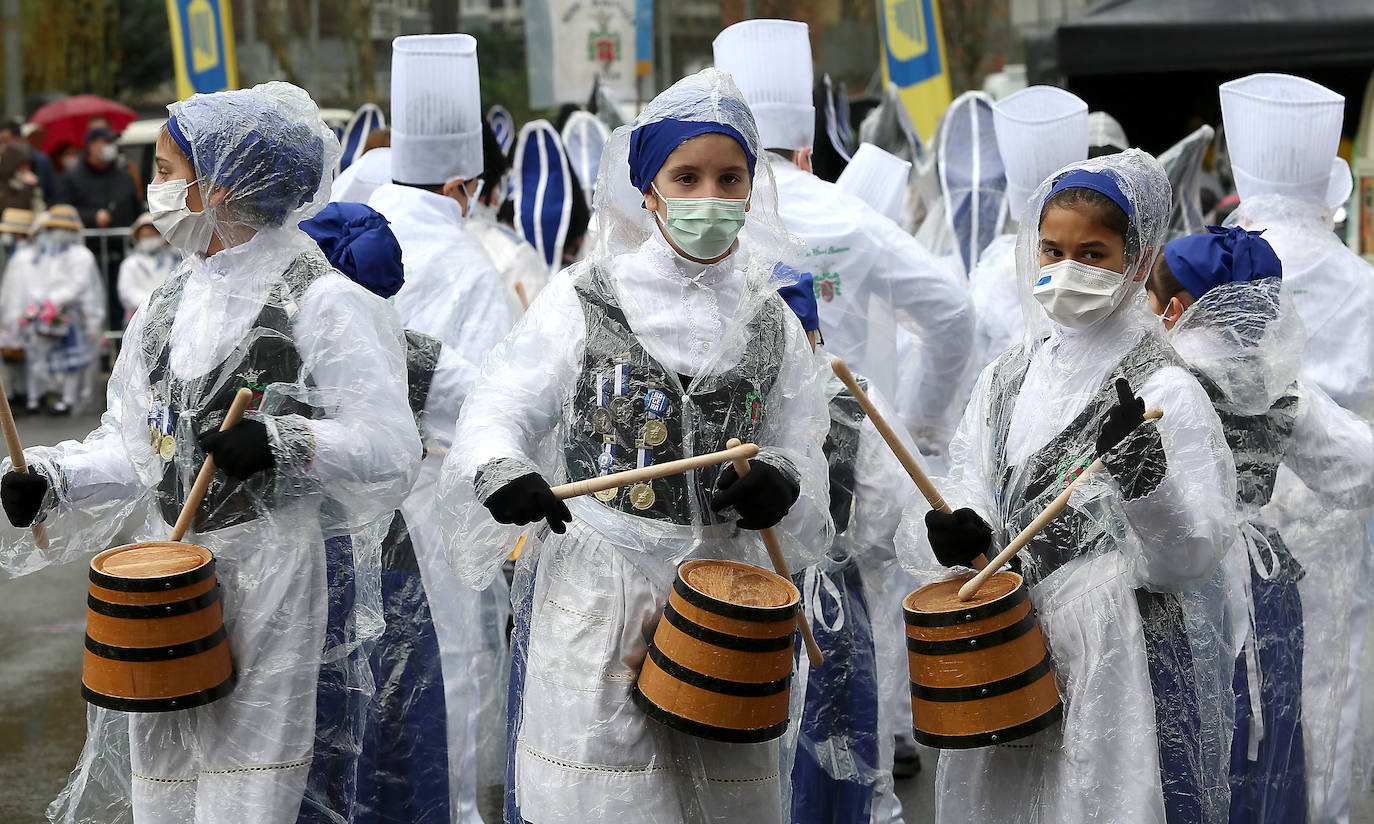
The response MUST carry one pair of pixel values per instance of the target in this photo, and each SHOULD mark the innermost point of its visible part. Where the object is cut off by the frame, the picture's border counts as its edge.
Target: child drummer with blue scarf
(666, 341)
(1220, 294)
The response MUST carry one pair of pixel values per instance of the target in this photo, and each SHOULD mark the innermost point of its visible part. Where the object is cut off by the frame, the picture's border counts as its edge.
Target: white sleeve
(364, 448)
(1187, 523)
(126, 285)
(932, 301)
(882, 489)
(1332, 450)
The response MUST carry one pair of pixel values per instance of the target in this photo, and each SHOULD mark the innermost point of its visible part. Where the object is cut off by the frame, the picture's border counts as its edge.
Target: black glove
(761, 497)
(242, 450)
(22, 494)
(958, 537)
(528, 498)
(1122, 419)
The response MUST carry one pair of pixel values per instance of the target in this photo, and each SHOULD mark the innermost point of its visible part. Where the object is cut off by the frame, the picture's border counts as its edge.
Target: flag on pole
(913, 47)
(203, 46)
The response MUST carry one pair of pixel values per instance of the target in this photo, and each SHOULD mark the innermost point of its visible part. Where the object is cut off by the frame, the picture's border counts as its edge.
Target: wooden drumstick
(1058, 505)
(207, 469)
(908, 461)
(648, 473)
(40, 535)
(520, 293)
(770, 542)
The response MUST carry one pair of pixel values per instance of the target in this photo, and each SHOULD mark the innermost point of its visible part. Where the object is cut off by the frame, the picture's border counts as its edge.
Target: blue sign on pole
(644, 37)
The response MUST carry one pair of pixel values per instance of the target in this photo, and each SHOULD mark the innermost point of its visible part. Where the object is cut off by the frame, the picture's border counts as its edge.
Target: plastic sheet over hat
(436, 109)
(614, 567)
(1039, 130)
(1105, 135)
(770, 62)
(878, 178)
(584, 138)
(368, 118)
(1131, 584)
(1183, 163)
(1281, 133)
(888, 126)
(502, 125)
(972, 177)
(297, 546)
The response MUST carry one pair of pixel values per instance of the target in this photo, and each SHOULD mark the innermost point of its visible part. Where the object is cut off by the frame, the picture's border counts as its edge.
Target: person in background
(64, 312)
(146, 266)
(514, 258)
(16, 237)
(19, 187)
(869, 274)
(99, 186)
(12, 134)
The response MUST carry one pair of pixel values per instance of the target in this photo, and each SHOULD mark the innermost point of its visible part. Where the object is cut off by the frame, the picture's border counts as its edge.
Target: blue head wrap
(1203, 262)
(801, 298)
(651, 144)
(359, 243)
(1096, 181)
(239, 140)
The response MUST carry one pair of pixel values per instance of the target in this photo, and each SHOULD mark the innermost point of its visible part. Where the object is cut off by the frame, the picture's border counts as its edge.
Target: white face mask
(185, 230)
(109, 153)
(150, 245)
(1076, 295)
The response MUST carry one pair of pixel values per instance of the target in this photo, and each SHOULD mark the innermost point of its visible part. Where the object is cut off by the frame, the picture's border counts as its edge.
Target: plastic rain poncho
(62, 320)
(1244, 341)
(972, 206)
(297, 545)
(140, 273)
(719, 345)
(843, 767)
(1333, 289)
(515, 260)
(1128, 582)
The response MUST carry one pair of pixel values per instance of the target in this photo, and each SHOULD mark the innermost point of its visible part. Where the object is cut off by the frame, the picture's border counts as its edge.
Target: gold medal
(167, 448)
(606, 495)
(642, 496)
(655, 432)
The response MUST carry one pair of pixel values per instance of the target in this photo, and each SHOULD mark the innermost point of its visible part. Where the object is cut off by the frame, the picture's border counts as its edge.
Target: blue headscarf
(651, 144)
(1203, 262)
(359, 243)
(239, 140)
(801, 298)
(1096, 181)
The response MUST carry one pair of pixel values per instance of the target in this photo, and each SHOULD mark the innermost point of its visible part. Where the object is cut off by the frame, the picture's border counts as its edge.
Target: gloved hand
(528, 498)
(22, 494)
(761, 497)
(1122, 419)
(958, 537)
(242, 450)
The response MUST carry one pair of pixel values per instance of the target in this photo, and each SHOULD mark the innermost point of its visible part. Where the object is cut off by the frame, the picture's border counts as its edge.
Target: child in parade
(665, 341)
(1128, 582)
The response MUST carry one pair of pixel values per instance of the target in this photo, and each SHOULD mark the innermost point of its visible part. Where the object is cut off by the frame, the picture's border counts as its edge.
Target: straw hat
(16, 221)
(60, 216)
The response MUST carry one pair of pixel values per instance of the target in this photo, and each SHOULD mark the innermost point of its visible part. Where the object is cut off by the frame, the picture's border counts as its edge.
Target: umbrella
(66, 119)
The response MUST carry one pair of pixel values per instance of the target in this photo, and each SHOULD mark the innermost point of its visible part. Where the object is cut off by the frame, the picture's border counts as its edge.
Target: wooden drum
(980, 670)
(154, 629)
(720, 664)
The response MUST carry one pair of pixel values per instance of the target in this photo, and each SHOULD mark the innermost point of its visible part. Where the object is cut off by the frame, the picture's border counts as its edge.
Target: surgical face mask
(1076, 295)
(62, 238)
(108, 153)
(149, 245)
(43, 241)
(184, 229)
(702, 227)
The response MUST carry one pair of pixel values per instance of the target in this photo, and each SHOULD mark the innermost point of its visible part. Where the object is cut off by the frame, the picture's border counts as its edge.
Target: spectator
(18, 184)
(99, 187)
(147, 265)
(12, 133)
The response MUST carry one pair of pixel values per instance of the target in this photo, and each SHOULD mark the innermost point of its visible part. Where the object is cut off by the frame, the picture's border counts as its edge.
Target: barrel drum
(155, 639)
(720, 664)
(980, 671)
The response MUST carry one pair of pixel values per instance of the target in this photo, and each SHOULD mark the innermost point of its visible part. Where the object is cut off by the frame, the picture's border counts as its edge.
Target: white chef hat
(1040, 130)
(436, 109)
(1106, 133)
(770, 61)
(878, 178)
(1281, 133)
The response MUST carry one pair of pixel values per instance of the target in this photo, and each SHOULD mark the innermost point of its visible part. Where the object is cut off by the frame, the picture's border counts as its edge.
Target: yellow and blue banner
(914, 58)
(644, 37)
(203, 46)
